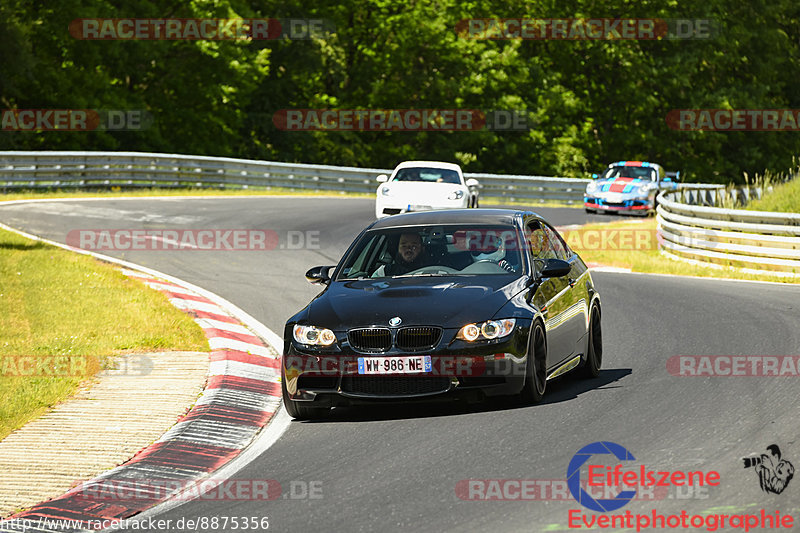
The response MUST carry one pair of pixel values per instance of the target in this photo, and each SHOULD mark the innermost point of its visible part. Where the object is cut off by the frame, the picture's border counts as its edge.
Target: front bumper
(331, 378)
(619, 205)
(389, 206)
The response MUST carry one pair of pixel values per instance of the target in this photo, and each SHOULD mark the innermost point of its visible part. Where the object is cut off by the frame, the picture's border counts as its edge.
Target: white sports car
(422, 186)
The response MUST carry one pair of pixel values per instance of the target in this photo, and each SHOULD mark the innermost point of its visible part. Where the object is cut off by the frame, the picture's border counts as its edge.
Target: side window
(537, 240)
(556, 244)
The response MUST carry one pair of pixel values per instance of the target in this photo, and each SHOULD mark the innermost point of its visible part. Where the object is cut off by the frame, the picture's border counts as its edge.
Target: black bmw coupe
(480, 302)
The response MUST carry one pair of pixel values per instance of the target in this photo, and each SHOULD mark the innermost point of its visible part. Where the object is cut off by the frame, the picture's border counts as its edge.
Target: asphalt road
(310, 231)
(397, 468)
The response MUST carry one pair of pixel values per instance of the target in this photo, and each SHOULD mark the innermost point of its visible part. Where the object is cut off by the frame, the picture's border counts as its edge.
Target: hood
(446, 301)
(620, 185)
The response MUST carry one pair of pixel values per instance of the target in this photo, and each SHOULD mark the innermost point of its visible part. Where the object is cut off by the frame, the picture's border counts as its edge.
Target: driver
(410, 256)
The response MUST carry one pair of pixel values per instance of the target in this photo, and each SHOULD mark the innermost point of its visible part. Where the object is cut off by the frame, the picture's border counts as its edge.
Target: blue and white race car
(628, 187)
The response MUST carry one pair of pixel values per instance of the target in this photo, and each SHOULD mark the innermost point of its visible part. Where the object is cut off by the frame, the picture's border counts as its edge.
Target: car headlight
(456, 195)
(386, 191)
(591, 187)
(312, 335)
(491, 329)
(644, 189)
(470, 332)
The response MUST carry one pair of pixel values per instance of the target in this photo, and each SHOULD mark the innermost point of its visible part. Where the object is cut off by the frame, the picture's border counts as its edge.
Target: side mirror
(594, 176)
(319, 274)
(472, 182)
(555, 268)
(383, 178)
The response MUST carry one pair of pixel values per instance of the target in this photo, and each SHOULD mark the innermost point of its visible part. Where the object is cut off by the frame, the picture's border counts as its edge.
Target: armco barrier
(756, 240)
(717, 195)
(64, 170)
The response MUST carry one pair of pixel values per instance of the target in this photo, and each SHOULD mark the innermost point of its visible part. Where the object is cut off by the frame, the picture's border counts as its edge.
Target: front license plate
(411, 364)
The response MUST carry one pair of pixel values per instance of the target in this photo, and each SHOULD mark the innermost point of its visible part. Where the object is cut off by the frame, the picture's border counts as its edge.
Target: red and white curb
(241, 397)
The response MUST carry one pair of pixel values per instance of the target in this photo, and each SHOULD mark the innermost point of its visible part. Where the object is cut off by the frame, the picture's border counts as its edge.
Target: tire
(297, 410)
(594, 345)
(536, 367)
(591, 211)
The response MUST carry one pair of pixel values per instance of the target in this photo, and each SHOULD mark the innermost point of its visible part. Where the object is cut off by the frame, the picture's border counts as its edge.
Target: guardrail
(718, 195)
(767, 242)
(31, 170)
(758, 241)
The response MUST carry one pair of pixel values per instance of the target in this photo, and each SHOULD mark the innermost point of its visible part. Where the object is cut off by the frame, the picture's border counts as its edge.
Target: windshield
(431, 175)
(443, 250)
(642, 173)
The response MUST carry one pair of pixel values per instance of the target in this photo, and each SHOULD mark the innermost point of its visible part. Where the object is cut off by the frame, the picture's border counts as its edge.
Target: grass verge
(528, 204)
(60, 307)
(784, 198)
(632, 243)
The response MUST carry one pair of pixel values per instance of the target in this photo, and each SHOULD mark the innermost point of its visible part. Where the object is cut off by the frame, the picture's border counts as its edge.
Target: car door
(555, 297)
(576, 300)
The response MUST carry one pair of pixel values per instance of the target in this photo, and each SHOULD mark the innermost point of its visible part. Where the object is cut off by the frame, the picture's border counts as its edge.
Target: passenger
(493, 250)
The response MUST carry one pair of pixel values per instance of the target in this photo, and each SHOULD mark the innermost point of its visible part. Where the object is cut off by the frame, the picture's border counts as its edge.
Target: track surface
(396, 468)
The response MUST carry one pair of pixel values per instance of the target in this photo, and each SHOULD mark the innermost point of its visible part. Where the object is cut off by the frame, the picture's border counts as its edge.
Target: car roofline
(429, 164)
(452, 216)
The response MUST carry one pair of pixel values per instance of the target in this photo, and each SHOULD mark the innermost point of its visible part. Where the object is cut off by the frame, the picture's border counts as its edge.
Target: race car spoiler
(674, 175)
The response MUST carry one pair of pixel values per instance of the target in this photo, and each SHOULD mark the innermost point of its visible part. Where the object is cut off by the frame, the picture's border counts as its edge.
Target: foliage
(782, 192)
(591, 102)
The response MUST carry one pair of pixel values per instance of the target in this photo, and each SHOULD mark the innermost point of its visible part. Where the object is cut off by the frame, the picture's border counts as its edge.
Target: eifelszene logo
(594, 459)
(574, 476)
(599, 475)
(774, 473)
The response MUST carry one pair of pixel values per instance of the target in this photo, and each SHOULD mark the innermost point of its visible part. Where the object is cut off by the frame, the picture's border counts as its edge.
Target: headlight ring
(489, 330)
(313, 336)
